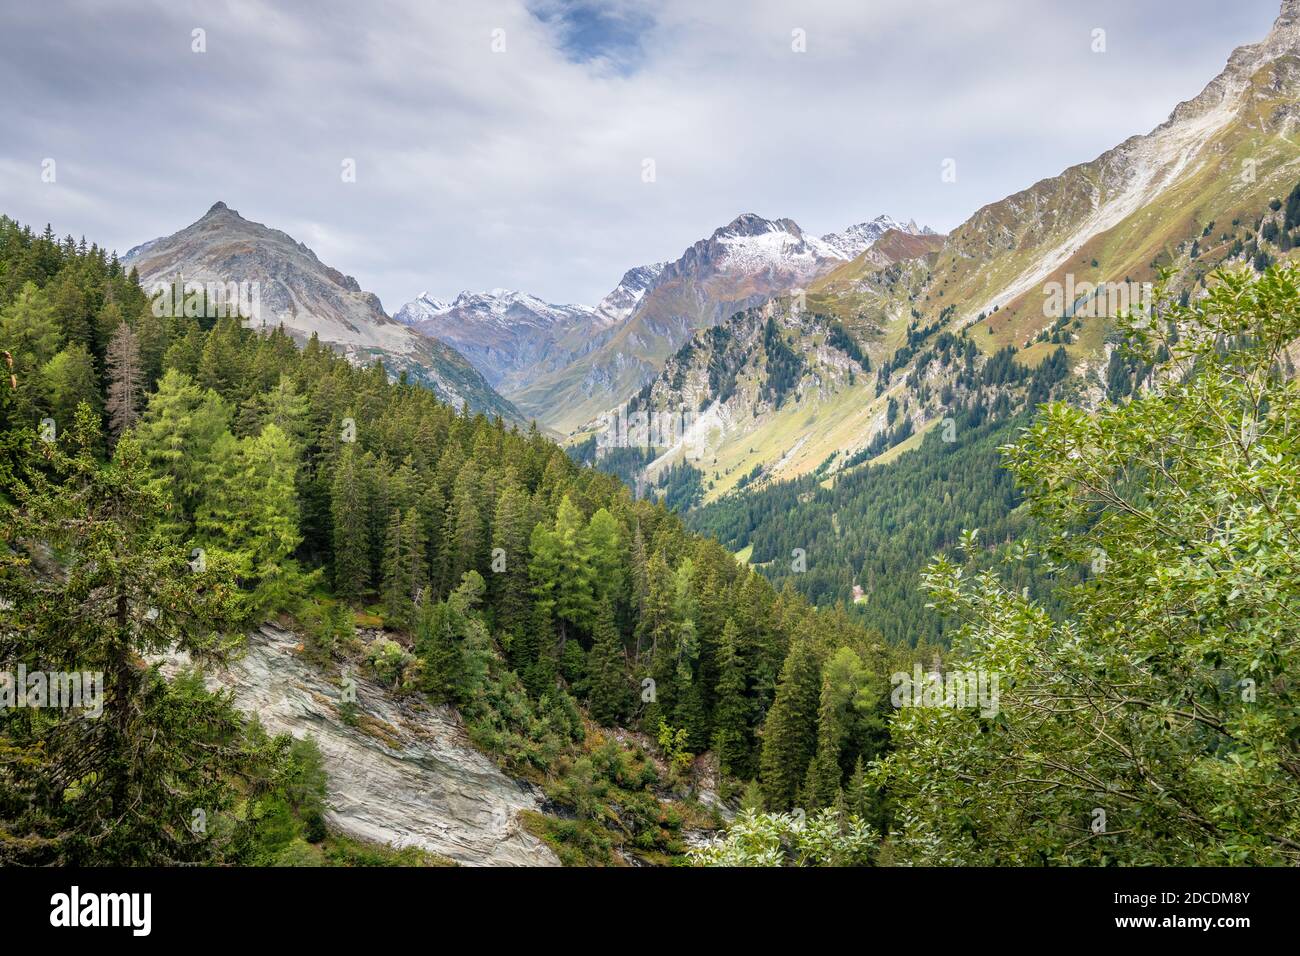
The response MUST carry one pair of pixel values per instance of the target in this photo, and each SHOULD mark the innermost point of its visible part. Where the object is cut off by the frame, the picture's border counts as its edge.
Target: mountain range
(1209, 187)
(741, 264)
(512, 337)
(1193, 192)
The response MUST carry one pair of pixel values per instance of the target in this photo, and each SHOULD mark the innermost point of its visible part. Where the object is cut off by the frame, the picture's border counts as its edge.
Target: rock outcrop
(403, 772)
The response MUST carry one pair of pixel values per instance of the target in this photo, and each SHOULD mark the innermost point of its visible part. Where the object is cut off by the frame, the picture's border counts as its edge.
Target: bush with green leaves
(830, 837)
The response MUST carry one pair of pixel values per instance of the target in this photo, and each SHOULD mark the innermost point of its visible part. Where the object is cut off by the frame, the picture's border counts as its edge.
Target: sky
(550, 145)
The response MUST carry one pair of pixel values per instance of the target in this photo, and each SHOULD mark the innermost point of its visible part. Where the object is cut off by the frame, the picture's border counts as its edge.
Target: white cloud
(523, 169)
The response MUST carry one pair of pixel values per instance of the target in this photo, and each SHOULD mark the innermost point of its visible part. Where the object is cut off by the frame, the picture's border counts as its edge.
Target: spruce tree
(404, 575)
(790, 731)
(731, 714)
(508, 579)
(610, 694)
(349, 510)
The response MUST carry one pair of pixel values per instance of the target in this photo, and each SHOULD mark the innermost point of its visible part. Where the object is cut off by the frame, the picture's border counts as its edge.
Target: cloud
(482, 164)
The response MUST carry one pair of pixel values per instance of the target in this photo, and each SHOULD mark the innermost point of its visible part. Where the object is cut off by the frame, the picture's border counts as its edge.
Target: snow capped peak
(753, 225)
(856, 239)
(433, 302)
(420, 309)
(752, 244)
(495, 307)
(618, 305)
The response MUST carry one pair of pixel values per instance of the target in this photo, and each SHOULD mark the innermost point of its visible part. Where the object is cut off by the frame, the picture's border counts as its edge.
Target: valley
(691, 576)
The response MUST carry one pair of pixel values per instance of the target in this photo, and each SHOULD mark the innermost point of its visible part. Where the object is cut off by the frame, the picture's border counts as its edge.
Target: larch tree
(125, 380)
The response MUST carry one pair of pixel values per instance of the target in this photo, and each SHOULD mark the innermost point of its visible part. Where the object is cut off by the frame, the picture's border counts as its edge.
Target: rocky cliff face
(405, 774)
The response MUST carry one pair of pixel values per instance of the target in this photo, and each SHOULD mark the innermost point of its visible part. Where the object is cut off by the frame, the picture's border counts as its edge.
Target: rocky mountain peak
(856, 239)
(305, 297)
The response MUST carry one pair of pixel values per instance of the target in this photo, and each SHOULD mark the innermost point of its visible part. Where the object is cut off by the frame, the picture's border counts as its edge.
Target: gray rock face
(306, 297)
(405, 774)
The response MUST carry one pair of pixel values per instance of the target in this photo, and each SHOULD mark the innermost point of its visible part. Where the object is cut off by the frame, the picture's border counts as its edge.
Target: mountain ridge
(307, 297)
(739, 265)
(1176, 199)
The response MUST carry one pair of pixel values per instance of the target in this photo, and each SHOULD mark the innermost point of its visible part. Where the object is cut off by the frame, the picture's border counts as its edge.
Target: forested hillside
(169, 481)
(1150, 717)
(876, 527)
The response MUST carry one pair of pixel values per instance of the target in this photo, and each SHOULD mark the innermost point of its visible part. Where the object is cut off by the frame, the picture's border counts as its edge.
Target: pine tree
(639, 575)
(450, 641)
(404, 575)
(125, 380)
(465, 534)
(845, 691)
(731, 713)
(508, 581)
(655, 637)
(790, 731)
(72, 312)
(153, 336)
(349, 510)
(689, 704)
(610, 694)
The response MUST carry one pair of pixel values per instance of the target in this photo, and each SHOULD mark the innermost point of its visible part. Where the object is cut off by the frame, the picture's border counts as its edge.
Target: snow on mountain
(855, 240)
(569, 361)
(618, 305)
(420, 309)
(499, 307)
(511, 336)
(751, 244)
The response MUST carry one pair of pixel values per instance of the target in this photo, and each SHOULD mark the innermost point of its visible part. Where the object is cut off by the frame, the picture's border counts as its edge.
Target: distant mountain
(855, 240)
(942, 326)
(742, 264)
(503, 334)
(513, 337)
(307, 297)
